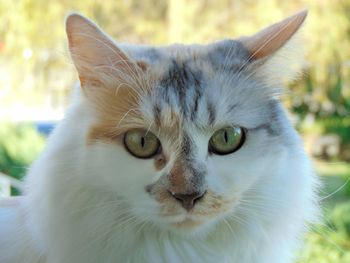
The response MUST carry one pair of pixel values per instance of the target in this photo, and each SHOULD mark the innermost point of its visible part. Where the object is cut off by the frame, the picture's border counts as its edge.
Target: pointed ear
(93, 52)
(269, 40)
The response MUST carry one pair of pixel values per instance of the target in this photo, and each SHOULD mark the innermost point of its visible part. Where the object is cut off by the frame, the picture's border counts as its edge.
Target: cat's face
(182, 133)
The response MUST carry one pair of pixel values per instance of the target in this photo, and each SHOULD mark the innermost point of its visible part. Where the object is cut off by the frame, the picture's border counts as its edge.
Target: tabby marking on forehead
(185, 84)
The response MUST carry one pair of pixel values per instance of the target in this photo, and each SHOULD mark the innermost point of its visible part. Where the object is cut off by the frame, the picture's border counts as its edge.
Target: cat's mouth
(208, 209)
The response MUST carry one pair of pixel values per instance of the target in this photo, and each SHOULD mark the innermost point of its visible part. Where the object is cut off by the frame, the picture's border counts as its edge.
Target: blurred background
(36, 77)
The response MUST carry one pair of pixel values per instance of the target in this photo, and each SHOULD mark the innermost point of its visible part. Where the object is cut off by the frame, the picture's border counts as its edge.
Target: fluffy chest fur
(170, 154)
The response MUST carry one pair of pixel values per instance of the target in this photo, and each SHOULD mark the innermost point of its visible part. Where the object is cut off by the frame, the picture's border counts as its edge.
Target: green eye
(141, 144)
(226, 140)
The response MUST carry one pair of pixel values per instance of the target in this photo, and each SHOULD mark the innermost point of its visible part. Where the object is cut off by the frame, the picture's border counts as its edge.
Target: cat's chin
(189, 225)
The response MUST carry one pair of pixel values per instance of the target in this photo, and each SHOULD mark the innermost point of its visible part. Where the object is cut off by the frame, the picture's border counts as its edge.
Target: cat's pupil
(225, 136)
(143, 142)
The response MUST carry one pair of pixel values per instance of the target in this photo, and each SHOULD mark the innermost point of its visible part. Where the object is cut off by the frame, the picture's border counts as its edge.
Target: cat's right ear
(94, 54)
(269, 40)
(275, 53)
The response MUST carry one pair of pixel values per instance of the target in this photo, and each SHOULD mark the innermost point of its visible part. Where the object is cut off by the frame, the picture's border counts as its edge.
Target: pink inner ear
(93, 51)
(272, 38)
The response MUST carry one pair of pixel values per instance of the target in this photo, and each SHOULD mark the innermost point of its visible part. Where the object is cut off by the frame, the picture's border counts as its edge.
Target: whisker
(337, 190)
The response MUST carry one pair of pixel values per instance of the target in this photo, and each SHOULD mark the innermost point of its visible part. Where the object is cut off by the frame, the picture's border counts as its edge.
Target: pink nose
(188, 200)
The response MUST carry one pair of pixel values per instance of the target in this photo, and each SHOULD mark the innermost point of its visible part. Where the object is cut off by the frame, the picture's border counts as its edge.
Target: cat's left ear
(94, 54)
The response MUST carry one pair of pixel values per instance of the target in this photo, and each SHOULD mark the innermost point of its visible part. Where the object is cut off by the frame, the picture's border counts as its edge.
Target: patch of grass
(324, 246)
(330, 242)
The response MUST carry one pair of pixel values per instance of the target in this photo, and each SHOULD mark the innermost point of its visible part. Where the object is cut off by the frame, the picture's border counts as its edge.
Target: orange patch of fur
(160, 161)
(212, 204)
(177, 177)
(116, 102)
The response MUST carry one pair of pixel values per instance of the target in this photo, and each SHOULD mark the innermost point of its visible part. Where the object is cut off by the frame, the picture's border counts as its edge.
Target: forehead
(186, 85)
(182, 89)
(179, 93)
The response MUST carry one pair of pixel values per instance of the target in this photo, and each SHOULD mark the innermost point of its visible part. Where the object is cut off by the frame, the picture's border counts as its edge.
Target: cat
(180, 153)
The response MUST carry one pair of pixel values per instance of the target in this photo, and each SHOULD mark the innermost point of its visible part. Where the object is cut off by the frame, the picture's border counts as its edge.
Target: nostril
(177, 197)
(188, 200)
(199, 196)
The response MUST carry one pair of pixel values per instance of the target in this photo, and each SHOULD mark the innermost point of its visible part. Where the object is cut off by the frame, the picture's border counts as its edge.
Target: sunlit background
(36, 78)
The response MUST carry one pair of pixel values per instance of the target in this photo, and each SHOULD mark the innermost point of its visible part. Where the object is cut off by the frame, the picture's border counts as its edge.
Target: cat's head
(181, 133)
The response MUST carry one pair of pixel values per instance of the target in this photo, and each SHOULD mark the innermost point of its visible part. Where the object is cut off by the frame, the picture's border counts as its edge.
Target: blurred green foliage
(336, 125)
(341, 219)
(326, 246)
(19, 146)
